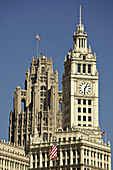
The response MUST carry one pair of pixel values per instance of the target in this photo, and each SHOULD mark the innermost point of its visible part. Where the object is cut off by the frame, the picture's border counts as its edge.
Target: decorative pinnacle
(80, 16)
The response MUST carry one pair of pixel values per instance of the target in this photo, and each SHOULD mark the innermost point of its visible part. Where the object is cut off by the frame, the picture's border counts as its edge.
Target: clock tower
(80, 84)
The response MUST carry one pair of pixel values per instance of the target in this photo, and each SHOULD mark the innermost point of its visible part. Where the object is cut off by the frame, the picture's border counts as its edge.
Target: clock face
(84, 88)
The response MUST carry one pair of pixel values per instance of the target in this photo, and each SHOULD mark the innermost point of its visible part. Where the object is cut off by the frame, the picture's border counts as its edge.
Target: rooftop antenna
(80, 16)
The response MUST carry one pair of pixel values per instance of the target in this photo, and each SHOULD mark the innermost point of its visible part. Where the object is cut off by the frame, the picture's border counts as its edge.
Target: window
(84, 118)
(42, 70)
(79, 109)
(94, 154)
(89, 118)
(41, 93)
(79, 68)
(89, 68)
(84, 101)
(89, 102)
(79, 124)
(101, 164)
(104, 157)
(89, 110)
(84, 110)
(84, 68)
(84, 124)
(74, 138)
(84, 57)
(101, 156)
(73, 152)
(79, 101)
(79, 118)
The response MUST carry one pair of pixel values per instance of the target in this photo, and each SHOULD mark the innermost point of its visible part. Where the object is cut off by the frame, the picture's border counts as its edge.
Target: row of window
(42, 93)
(84, 118)
(84, 101)
(11, 164)
(99, 164)
(83, 68)
(84, 125)
(98, 155)
(84, 110)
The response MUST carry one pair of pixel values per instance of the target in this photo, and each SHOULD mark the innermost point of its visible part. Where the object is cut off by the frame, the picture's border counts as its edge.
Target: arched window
(42, 69)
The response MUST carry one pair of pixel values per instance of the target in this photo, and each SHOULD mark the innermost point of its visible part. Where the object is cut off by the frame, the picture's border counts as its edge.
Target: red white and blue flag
(37, 36)
(102, 133)
(53, 152)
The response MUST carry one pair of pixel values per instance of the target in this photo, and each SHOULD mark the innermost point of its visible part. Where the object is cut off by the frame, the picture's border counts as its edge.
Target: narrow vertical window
(89, 68)
(79, 68)
(75, 40)
(84, 68)
(84, 43)
(79, 42)
(79, 101)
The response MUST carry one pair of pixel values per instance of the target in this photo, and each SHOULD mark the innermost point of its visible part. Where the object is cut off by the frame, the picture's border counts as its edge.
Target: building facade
(76, 127)
(77, 150)
(80, 84)
(12, 157)
(79, 143)
(41, 98)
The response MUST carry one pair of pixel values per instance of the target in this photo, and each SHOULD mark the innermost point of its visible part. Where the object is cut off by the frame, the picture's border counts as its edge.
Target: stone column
(66, 157)
(109, 159)
(45, 159)
(14, 165)
(71, 156)
(35, 160)
(9, 165)
(40, 159)
(50, 163)
(60, 156)
(24, 167)
(82, 156)
(31, 161)
(96, 157)
(19, 166)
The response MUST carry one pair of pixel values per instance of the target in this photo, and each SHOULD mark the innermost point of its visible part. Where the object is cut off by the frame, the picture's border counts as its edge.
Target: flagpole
(37, 47)
(37, 37)
(105, 138)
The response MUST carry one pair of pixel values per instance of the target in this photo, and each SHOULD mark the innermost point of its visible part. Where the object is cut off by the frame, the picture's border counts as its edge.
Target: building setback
(75, 127)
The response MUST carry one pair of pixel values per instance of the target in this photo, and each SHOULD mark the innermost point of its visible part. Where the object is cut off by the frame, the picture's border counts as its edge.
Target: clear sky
(55, 21)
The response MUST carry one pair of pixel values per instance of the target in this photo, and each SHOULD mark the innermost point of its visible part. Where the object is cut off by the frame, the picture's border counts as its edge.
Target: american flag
(37, 36)
(102, 133)
(53, 152)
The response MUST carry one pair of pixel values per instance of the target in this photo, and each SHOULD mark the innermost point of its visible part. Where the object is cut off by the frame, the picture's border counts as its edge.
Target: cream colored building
(41, 100)
(79, 142)
(34, 129)
(77, 150)
(13, 157)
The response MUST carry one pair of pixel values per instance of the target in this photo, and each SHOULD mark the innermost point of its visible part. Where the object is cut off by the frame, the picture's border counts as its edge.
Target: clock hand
(85, 88)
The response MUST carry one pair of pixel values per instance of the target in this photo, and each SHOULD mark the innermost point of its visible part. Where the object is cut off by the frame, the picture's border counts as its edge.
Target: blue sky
(55, 22)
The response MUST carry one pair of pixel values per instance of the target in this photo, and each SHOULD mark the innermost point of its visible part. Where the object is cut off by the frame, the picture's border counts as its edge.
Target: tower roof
(80, 27)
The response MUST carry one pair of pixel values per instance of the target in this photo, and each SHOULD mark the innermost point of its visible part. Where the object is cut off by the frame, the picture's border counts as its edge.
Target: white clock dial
(84, 88)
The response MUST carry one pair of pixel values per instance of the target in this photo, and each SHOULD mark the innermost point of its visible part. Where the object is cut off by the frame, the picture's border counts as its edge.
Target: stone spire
(80, 27)
(80, 16)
